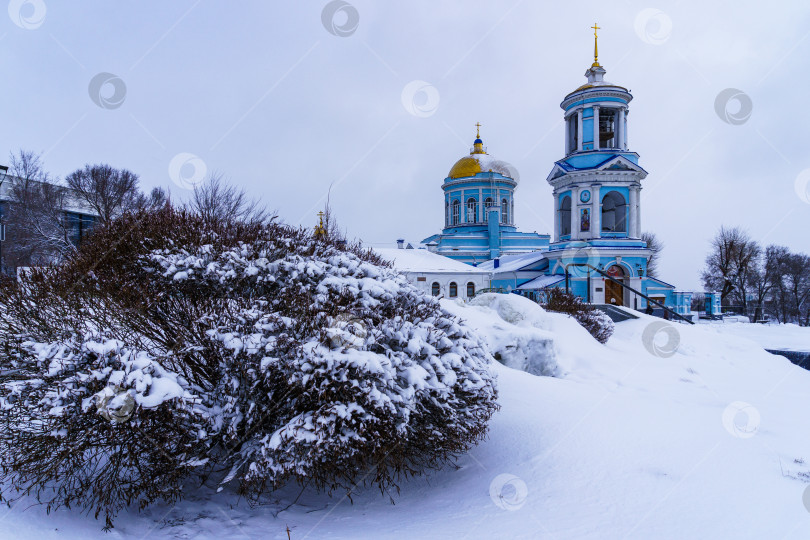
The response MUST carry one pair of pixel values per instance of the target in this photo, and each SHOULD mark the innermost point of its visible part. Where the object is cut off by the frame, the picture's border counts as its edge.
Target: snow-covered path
(627, 444)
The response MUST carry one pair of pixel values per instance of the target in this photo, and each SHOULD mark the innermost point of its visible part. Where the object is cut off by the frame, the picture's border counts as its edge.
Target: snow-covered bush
(599, 325)
(168, 348)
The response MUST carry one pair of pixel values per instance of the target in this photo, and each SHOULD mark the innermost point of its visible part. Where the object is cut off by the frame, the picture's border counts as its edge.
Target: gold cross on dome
(478, 130)
(595, 48)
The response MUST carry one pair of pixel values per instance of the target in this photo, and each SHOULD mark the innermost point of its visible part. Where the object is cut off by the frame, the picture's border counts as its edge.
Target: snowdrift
(665, 432)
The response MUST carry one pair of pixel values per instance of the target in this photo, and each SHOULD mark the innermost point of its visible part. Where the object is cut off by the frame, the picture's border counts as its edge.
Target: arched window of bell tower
(565, 216)
(572, 144)
(608, 127)
(504, 211)
(614, 213)
(456, 211)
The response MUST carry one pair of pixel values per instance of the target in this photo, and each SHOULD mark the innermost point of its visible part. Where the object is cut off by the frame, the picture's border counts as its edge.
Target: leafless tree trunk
(797, 271)
(776, 260)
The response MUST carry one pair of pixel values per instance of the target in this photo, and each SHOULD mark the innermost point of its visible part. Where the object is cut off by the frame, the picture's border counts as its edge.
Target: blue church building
(597, 211)
(479, 211)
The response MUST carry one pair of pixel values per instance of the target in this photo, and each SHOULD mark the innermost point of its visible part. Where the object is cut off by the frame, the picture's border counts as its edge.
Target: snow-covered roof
(541, 282)
(664, 283)
(74, 204)
(513, 263)
(422, 260)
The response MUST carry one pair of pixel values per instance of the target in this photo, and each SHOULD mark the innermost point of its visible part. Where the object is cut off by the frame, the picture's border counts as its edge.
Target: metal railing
(614, 280)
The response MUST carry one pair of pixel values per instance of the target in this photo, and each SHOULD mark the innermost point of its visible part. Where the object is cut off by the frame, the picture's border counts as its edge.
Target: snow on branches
(252, 352)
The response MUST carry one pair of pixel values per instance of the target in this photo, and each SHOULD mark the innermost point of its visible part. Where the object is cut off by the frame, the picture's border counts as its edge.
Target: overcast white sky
(263, 93)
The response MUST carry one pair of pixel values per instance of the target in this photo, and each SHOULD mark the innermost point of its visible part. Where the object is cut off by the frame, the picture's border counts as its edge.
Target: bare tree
(656, 246)
(759, 286)
(776, 258)
(38, 231)
(109, 192)
(330, 223)
(731, 264)
(216, 199)
(797, 272)
(788, 275)
(156, 199)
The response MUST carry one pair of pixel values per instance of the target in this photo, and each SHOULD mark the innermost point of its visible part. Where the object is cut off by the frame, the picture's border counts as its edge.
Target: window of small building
(453, 289)
(435, 289)
(470, 289)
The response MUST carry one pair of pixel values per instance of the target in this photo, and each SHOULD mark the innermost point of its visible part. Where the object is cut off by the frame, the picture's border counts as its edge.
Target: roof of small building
(513, 263)
(422, 260)
(664, 283)
(541, 282)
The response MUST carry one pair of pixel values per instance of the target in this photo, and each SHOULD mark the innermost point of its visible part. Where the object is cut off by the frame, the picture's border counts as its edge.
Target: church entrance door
(614, 293)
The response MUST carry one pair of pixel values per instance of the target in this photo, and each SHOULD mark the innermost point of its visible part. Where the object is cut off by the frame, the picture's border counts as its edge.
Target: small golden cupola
(470, 166)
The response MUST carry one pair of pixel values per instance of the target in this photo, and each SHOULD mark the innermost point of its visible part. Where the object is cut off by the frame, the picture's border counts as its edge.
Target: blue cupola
(479, 209)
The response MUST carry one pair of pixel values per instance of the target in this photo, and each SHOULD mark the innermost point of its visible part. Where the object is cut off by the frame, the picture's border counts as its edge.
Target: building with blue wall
(479, 211)
(596, 203)
(77, 221)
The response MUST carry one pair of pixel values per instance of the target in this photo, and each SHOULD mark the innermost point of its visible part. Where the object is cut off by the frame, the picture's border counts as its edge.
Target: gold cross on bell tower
(595, 46)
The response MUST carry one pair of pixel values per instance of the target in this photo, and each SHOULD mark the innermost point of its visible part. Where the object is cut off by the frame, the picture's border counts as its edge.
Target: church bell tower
(596, 187)
(598, 182)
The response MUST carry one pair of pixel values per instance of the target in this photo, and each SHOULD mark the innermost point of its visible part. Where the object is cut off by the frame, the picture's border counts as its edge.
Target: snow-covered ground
(769, 336)
(668, 431)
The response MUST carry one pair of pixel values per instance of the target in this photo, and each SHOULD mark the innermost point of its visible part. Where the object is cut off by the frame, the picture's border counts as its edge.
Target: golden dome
(470, 166)
(466, 166)
(480, 162)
